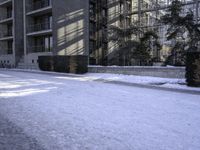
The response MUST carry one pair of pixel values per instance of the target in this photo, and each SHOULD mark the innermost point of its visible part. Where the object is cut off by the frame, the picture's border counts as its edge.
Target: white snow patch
(173, 83)
(145, 80)
(74, 113)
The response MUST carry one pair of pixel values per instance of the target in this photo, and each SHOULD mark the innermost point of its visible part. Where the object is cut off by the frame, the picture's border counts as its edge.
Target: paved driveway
(53, 112)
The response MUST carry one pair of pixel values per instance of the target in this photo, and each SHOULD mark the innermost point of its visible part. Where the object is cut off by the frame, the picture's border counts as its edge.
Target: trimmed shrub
(78, 64)
(193, 69)
(61, 64)
(70, 64)
(46, 63)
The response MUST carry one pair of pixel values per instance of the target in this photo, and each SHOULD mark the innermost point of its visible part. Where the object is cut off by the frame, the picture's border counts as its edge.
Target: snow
(171, 83)
(143, 80)
(78, 113)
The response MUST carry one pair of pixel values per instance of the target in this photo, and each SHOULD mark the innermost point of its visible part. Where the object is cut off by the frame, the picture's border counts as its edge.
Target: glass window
(48, 43)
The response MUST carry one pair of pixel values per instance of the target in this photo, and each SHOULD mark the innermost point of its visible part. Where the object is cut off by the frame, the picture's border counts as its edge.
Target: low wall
(164, 72)
(7, 61)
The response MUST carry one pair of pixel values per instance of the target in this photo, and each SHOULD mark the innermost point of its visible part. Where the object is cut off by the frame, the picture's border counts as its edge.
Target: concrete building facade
(31, 28)
(11, 32)
(57, 27)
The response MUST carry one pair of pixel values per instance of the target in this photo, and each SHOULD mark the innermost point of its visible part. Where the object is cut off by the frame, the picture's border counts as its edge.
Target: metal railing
(9, 50)
(104, 3)
(7, 16)
(104, 20)
(39, 5)
(5, 34)
(39, 27)
(40, 48)
(3, 1)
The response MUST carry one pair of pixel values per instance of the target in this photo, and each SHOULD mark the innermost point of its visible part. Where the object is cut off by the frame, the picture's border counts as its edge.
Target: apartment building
(57, 27)
(104, 13)
(118, 11)
(98, 31)
(31, 28)
(11, 32)
(147, 14)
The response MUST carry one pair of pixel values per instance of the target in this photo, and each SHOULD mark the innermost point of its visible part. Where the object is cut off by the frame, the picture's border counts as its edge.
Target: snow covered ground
(145, 80)
(80, 114)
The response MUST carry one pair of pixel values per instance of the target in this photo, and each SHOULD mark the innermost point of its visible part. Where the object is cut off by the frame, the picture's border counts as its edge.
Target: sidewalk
(166, 84)
(13, 137)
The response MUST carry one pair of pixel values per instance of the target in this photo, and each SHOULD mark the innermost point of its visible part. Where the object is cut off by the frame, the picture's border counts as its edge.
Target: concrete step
(21, 59)
(20, 63)
(27, 66)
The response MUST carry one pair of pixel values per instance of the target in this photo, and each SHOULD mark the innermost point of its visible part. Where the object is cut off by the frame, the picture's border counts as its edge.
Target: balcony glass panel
(42, 44)
(40, 27)
(39, 4)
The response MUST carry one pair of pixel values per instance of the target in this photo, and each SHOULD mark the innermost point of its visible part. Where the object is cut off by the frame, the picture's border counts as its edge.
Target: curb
(122, 83)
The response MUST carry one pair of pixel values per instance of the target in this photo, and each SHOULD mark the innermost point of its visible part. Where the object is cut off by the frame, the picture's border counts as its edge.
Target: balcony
(104, 37)
(104, 4)
(92, 35)
(6, 19)
(9, 51)
(104, 21)
(40, 29)
(92, 1)
(6, 36)
(39, 49)
(39, 7)
(5, 3)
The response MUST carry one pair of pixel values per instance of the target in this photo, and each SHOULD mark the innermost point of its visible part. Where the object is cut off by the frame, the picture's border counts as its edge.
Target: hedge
(69, 64)
(193, 69)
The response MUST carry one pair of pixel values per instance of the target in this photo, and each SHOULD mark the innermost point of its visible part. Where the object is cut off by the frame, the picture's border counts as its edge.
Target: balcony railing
(40, 48)
(104, 20)
(9, 50)
(93, 1)
(5, 34)
(39, 27)
(5, 1)
(39, 5)
(104, 3)
(8, 16)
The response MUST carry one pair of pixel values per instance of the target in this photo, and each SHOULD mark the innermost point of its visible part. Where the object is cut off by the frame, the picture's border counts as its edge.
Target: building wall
(18, 30)
(30, 59)
(7, 61)
(5, 58)
(70, 27)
